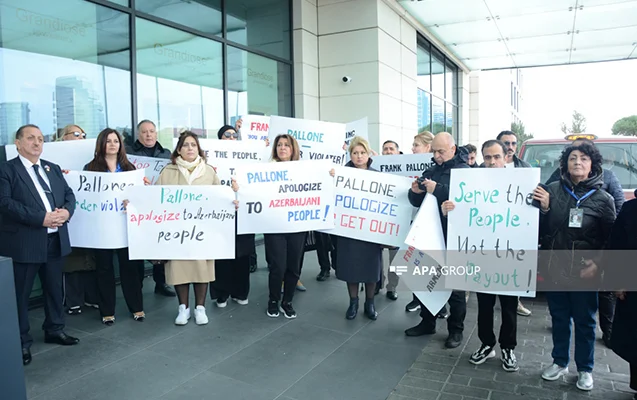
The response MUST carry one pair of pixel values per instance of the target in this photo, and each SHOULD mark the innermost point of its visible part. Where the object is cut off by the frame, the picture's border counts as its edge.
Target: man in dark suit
(35, 205)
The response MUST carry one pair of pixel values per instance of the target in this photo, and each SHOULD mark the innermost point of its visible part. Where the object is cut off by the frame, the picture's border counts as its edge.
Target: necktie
(45, 187)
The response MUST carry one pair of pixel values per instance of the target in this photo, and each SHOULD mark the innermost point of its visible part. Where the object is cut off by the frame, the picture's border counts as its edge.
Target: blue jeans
(581, 307)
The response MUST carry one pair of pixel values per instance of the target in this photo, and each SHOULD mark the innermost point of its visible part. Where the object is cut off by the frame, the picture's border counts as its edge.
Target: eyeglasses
(511, 143)
(231, 134)
(77, 134)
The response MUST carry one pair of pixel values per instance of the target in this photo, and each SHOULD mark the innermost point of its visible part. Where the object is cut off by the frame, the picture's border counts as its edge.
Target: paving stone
(414, 392)
(466, 391)
(422, 383)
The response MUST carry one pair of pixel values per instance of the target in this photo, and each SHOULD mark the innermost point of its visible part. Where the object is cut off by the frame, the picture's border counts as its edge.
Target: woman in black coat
(358, 261)
(623, 243)
(577, 217)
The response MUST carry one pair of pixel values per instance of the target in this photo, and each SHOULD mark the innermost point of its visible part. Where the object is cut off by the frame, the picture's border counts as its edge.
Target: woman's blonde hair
(66, 130)
(359, 141)
(425, 138)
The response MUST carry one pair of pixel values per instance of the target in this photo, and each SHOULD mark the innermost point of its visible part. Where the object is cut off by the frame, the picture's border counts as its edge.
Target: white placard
(71, 154)
(425, 233)
(410, 165)
(99, 221)
(355, 128)
(152, 166)
(317, 140)
(255, 127)
(371, 206)
(494, 226)
(181, 222)
(281, 197)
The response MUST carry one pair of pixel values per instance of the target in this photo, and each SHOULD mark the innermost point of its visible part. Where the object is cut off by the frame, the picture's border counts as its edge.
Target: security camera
(347, 79)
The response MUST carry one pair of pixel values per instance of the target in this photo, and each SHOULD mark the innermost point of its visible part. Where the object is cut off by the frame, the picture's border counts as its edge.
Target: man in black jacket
(510, 140)
(147, 145)
(435, 180)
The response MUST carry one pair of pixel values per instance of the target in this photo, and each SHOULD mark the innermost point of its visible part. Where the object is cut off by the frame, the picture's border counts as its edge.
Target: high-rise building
(76, 102)
(12, 116)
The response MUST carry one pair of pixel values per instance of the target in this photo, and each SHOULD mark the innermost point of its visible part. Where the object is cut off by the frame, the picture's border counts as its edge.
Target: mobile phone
(536, 203)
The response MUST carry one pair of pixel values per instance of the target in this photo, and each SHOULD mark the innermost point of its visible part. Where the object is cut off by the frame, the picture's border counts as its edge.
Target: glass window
(260, 24)
(437, 74)
(451, 87)
(438, 115)
(257, 85)
(450, 116)
(424, 111)
(424, 69)
(202, 15)
(179, 81)
(120, 2)
(63, 62)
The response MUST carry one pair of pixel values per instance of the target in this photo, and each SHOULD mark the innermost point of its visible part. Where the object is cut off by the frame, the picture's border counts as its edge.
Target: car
(619, 152)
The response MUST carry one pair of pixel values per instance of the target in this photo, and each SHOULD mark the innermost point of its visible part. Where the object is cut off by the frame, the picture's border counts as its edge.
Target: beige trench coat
(180, 272)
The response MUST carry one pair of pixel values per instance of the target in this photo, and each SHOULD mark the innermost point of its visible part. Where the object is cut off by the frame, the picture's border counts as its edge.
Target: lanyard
(579, 199)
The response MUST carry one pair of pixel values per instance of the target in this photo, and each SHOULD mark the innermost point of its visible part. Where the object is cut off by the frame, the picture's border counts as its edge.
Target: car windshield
(618, 157)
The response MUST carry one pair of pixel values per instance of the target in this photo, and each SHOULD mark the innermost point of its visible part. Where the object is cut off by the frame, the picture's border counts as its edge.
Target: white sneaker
(183, 316)
(584, 381)
(554, 372)
(221, 304)
(241, 302)
(523, 311)
(200, 315)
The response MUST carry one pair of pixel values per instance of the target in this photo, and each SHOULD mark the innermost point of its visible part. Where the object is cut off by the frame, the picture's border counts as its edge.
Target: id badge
(575, 218)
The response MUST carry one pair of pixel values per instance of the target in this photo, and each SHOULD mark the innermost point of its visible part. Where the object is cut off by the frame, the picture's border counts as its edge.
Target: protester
(233, 276)
(390, 147)
(570, 255)
(359, 261)
(422, 143)
(494, 155)
(110, 156)
(35, 206)
(473, 152)
(435, 180)
(147, 145)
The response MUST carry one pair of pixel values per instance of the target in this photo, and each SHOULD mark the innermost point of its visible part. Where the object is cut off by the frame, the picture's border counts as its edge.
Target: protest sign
(424, 278)
(152, 166)
(99, 221)
(371, 206)
(317, 140)
(410, 165)
(181, 222)
(255, 127)
(280, 197)
(494, 226)
(355, 128)
(71, 154)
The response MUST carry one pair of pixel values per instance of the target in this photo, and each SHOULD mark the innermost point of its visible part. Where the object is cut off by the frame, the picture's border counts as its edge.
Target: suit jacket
(22, 212)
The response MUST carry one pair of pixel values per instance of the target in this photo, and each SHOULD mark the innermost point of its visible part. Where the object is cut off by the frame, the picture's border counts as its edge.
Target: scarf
(191, 170)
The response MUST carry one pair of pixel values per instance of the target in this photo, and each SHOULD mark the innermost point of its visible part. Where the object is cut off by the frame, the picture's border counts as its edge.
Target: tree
(437, 127)
(578, 125)
(518, 129)
(626, 126)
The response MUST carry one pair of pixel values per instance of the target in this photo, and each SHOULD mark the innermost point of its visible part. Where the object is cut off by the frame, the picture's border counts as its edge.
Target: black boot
(323, 275)
(353, 309)
(370, 310)
(421, 329)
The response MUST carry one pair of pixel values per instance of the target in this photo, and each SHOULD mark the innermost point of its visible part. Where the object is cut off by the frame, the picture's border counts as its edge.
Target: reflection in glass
(450, 113)
(423, 79)
(451, 85)
(202, 15)
(257, 85)
(260, 24)
(437, 74)
(63, 62)
(438, 116)
(120, 2)
(424, 110)
(179, 81)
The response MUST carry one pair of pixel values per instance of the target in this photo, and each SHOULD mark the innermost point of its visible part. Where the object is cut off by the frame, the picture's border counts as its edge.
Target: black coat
(568, 246)
(623, 238)
(157, 151)
(22, 236)
(244, 244)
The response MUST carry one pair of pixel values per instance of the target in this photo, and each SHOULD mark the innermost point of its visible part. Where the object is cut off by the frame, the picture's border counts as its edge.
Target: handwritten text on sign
(99, 221)
(494, 226)
(371, 206)
(152, 166)
(355, 128)
(410, 165)
(255, 127)
(291, 196)
(318, 140)
(181, 222)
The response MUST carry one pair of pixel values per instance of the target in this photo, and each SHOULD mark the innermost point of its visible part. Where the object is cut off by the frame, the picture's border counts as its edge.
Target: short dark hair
(471, 148)
(180, 143)
(588, 149)
(504, 133)
(391, 141)
(20, 131)
(143, 122)
(494, 142)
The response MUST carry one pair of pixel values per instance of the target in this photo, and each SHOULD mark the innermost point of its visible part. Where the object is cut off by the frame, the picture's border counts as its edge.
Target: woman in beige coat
(189, 167)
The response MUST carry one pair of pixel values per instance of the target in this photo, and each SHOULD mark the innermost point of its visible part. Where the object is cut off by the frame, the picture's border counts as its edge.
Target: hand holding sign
(447, 206)
(543, 197)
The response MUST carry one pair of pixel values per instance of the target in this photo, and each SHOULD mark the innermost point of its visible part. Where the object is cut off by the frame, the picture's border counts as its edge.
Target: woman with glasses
(71, 132)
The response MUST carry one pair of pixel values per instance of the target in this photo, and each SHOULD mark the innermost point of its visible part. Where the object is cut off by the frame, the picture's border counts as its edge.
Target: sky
(602, 92)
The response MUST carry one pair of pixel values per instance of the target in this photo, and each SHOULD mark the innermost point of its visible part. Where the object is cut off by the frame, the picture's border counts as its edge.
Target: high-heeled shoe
(140, 316)
(108, 321)
(370, 311)
(352, 311)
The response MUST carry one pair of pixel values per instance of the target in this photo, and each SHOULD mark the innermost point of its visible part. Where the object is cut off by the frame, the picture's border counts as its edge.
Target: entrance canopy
(493, 34)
